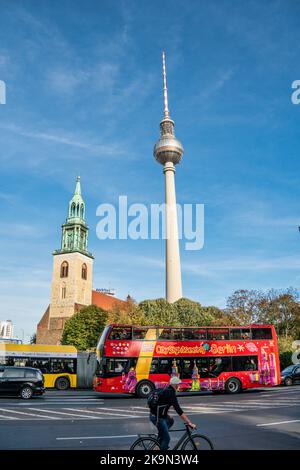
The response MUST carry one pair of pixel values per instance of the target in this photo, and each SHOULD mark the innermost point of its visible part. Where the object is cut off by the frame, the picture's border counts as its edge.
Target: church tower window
(84, 271)
(64, 269)
(63, 292)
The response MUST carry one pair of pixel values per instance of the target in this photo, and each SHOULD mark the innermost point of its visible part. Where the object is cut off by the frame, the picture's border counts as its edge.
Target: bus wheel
(62, 383)
(233, 385)
(144, 389)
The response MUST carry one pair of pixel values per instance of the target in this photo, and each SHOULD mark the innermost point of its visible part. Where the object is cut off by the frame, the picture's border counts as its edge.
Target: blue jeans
(163, 426)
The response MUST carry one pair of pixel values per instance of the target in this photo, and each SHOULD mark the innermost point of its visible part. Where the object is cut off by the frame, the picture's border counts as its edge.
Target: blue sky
(84, 96)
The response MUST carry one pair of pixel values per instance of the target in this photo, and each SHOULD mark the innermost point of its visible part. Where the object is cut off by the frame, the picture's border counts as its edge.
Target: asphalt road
(256, 419)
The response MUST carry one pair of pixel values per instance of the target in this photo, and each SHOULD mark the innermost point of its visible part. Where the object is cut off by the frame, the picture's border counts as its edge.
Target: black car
(291, 375)
(22, 381)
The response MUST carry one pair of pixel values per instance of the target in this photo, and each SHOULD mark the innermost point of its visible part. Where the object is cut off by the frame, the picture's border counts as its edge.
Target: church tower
(72, 278)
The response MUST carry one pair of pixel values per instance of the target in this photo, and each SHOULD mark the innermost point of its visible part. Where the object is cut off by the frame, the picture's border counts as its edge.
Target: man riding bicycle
(159, 414)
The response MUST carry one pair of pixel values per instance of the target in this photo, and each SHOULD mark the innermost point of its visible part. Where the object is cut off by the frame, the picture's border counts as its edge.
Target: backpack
(154, 399)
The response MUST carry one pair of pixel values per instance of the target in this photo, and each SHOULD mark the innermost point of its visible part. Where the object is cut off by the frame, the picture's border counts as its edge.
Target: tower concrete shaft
(168, 151)
(173, 268)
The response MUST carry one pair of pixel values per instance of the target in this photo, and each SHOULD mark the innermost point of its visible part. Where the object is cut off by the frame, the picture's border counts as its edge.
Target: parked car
(291, 375)
(21, 381)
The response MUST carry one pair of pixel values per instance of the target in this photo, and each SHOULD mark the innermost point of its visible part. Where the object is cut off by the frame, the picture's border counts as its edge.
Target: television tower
(168, 151)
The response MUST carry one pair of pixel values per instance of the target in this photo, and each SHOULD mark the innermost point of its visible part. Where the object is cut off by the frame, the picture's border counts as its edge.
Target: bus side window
(166, 334)
(261, 333)
(202, 365)
(60, 366)
(115, 367)
(165, 366)
(140, 333)
(132, 362)
(187, 365)
(195, 334)
(122, 333)
(243, 363)
(218, 334)
(217, 365)
(43, 365)
(172, 334)
(154, 366)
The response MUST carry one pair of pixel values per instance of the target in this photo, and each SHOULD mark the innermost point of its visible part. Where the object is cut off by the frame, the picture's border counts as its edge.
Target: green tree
(285, 351)
(83, 329)
(282, 309)
(159, 312)
(127, 314)
(33, 339)
(190, 313)
(220, 317)
(244, 306)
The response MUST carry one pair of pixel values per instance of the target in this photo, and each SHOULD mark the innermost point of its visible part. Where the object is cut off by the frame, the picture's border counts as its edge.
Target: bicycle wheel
(145, 443)
(197, 442)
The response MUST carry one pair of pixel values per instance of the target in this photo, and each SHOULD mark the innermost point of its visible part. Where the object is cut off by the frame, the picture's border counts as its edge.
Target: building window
(64, 269)
(84, 271)
(63, 292)
(73, 210)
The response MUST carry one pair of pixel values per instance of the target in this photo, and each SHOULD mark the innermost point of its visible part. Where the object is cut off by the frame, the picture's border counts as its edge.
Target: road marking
(122, 409)
(8, 417)
(29, 414)
(279, 422)
(62, 413)
(95, 437)
(49, 403)
(106, 413)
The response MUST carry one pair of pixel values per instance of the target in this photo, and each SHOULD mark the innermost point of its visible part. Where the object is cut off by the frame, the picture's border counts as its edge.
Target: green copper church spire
(75, 230)
(76, 205)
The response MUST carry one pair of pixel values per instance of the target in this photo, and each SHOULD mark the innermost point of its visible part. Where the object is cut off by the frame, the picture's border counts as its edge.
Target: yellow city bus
(58, 364)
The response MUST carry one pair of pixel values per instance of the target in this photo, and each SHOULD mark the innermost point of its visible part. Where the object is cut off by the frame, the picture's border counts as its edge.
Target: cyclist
(159, 416)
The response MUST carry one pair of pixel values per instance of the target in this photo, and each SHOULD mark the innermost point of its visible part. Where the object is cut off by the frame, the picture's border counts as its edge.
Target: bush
(285, 359)
(83, 329)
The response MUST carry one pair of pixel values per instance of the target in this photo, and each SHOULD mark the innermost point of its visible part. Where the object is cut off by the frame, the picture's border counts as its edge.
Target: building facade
(6, 329)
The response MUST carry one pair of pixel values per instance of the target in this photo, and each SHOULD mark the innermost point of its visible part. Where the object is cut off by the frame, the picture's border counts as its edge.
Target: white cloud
(20, 230)
(243, 263)
(66, 81)
(66, 139)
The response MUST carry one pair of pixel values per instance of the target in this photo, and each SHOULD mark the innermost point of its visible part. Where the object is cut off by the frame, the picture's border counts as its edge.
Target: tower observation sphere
(167, 148)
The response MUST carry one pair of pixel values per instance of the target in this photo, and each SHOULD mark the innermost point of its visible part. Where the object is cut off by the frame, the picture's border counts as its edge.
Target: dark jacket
(167, 399)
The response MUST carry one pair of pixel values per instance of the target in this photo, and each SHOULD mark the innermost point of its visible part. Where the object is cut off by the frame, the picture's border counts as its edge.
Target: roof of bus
(253, 325)
(36, 348)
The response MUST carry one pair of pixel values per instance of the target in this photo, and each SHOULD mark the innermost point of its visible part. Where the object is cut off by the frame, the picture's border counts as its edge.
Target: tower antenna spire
(166, 109)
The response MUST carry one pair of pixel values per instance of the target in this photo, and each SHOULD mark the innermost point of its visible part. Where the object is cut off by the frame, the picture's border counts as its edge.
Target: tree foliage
(243, 306)
(278, 307)
(159, 312)
(32, 338)
(83, 329)
(191, 313)
(282, 309)
(127, 314)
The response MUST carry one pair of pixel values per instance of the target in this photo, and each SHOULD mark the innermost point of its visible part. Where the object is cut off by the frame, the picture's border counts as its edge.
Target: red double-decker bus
(135, 359)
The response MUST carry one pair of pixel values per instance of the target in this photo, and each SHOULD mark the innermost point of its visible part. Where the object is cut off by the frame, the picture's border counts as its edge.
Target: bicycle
(188, 441)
